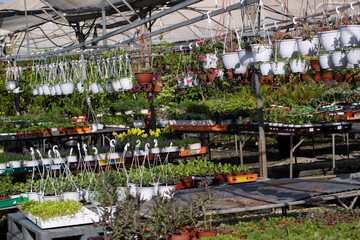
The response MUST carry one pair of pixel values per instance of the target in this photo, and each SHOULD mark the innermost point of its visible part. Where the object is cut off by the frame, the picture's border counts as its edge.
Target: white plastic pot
(133, 189)
(288, 48)
(30, 163)
(46, 89)
(278, 68)
(240, 70)
(50, 198)
(33, 196)
(326, 62)
(94, 88)
(339, 60)
(330, 40)
(146, 193)
(349, 35)
(139, 124)
(35, 91)
(58, 89)
(80, 87)
(67, 88)
(71, 196)
(114, 155)
(170, 149)
(126, 83)
(308, 47)
(3, 166)
(46, 161)
(155, 150)
(10, 85)
(211, 61)
(261, 52)
(88, 158)
(194, 146)
(297, 66)
(156, 188)
(71, 159)
(40, 89)
(265, 69)
(167, 191)
(15, 164)
(231, 60)
(353, 55)
(121, 193)
(52, 91)
(246, 57)
(58, 161)
(116, 85)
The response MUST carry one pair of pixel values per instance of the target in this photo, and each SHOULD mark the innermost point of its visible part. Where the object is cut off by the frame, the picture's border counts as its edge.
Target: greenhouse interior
(179, 119)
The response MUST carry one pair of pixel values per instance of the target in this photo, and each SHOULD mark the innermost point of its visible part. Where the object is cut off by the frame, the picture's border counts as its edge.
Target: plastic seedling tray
(84, 216)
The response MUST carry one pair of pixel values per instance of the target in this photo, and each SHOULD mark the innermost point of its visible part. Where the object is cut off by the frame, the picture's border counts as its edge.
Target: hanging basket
(46, 89)
(326, 62)
(288, 48)
(339, 59)
(278, 68)
(330, 40)
(231, 60)
(144, 77)
(297, 65)
(261, 52)
(211, 61)
(67, 88)
(246, 57)
(308, 47)
(10, 85)
(353, 55)
(349, 35)
(126, 83)
(265, 69)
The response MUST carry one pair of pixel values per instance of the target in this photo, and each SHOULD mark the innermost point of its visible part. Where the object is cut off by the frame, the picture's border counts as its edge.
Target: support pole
(333, 152)
(103, 19)
(291, 155)
(262, 142)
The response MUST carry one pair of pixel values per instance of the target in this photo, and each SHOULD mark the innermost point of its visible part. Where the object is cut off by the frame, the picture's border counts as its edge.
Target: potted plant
(325, 60)
(308, 42)
(261, 50)
(69, 189)
(350, 31)
(287, 44)
(339, 60)
(6, 184)
(298, 64)
(279, 66)
(330, 37)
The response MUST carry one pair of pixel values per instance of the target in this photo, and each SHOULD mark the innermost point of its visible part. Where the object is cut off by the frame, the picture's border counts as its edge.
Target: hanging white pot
(71, 159)
(30, 163)
(75, 196)
(3, 166)
(349, 35)
(278, 68)
(240, 70)
(58, 89)
(133, 189)
(146, 193)
(40, 89)
(88, 158)
(265, 69)
(116, 85)
(339, 59)
(330, 40)
(155, 150)
(308, 47)
(246, 57)
(167, 191)
(80, 87)
(67, 88)
(126, 83)
(170, 149)
(46, 161)
(46, 89)
(109, 88)
(10, 85)
(114, 155)
(121, 193)
(353, 55)
(231, 60)
(297, 65)
(15, 164)
(194, 146)
(288, 48)
(261, 52)
(156, 188)
(326, 62)
(211, 61)
(94, 88)
(58, 161)
(52, 91)
(188, 81)
(35, 91)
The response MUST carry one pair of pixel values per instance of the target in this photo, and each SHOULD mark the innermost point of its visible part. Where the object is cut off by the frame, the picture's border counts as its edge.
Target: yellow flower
(151, 132)
(145, 135)
(114, 134)
(157, 135)
(158, 130)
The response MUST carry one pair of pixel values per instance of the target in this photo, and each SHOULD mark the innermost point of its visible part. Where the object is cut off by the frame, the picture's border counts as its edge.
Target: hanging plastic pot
(80, 87)
(246, 57)
(308, 47)
(94, 88)
(339, 59)
(58, 89)
(353, 55)
(261, 52)
(67, 88)
(265, 69)
(211, 61)
(288, 48)
(231, 60)
(40, 89)
(330, 40)
(278, 68)
(35, 91)
(350, 35)
(297, 65)
(46, 89)
(326, 62)
(52, 91)
(144, 77)
(116, 85)
(10, 85)
(126, 83)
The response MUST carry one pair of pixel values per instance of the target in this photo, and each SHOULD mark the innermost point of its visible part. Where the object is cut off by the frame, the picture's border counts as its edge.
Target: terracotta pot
(157, 87)
(211, 76)
(328, 77)
(144, 77)
(230, 74)
(186, 236)
(338, 77)
(229, 179)
(348, 76)
(188, 182)
(4, 198)
(315, 64)
(202, 234)
(180, 185)
(201, 76)
(219, 179)
(304, 77)
(317, 77)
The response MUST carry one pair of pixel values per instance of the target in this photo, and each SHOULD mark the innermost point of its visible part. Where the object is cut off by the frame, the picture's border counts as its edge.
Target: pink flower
(188, 69)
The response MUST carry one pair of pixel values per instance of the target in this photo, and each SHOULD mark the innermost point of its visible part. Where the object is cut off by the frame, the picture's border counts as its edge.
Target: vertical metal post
(27, 30)
(347, 145)
(241, 153)
(260, 113)
(103, 18)
(236, 145)
(152, 110)
(291, 155)
(333, 152)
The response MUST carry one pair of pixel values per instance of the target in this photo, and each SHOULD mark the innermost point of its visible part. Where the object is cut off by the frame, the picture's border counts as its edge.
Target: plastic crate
(12, 202)
(191, 152)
